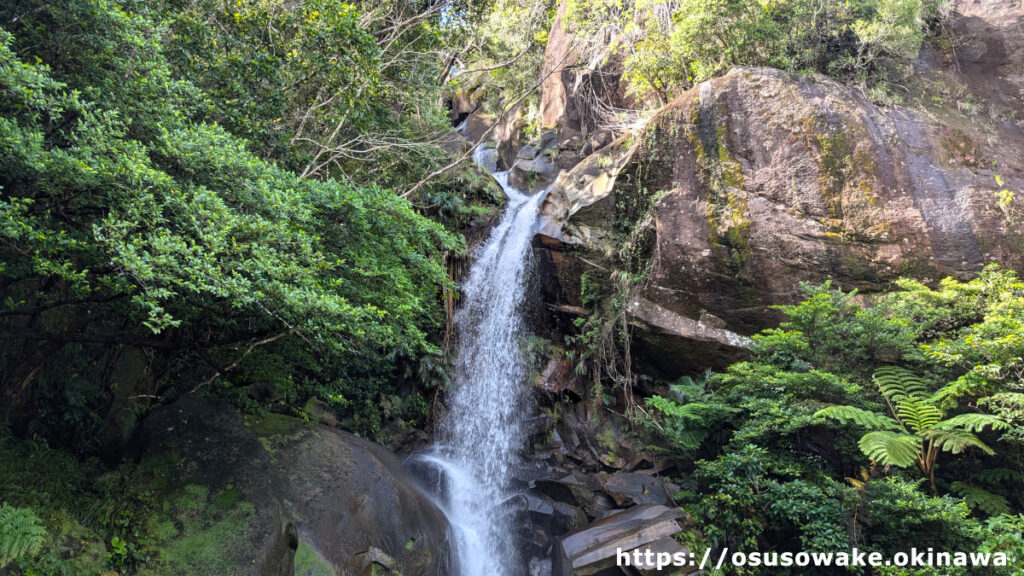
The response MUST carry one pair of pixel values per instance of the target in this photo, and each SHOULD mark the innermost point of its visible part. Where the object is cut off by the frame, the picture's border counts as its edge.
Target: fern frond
(860, 417)
(687, 439)
(692, 412)
(973, 423)
(999, 475)
(20, 534)
(686, 425)
(917, 414)
(892, 448)
(957, 440)
(977, 497)
(896, 382)
(909, 398)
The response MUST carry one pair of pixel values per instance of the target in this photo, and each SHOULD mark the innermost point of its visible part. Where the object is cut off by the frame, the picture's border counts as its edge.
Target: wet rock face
(993, 36)
(347, 495)
(535, 166)
(320, 498)
(505, 130)
(769, 179)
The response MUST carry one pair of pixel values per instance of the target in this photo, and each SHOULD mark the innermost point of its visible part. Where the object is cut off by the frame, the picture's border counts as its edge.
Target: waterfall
(481, 438)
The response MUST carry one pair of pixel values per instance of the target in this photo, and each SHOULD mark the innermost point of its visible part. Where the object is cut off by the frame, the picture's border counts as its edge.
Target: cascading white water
(482, 436)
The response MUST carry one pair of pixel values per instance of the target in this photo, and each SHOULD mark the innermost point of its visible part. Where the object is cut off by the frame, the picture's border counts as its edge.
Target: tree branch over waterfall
(505, 110)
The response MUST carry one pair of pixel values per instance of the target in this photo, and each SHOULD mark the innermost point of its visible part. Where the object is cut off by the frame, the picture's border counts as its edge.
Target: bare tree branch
(508, 62)
(248, 350)
(505, 110)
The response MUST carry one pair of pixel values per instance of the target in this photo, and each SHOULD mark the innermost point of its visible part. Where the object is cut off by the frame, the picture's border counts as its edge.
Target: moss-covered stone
(269, 425)
(959, 149)
(847, 177)
(722, 177)
(835, 152)
(309, 562)
(196, 533)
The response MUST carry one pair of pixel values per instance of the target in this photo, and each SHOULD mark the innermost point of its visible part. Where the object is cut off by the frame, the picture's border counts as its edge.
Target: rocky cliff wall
(762, 180)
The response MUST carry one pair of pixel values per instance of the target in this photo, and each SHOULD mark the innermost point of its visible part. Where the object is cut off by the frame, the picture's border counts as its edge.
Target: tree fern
(916, 434)
(21, 535)
(898, 381)
(909, 398)
(956, 441)
(973, 423)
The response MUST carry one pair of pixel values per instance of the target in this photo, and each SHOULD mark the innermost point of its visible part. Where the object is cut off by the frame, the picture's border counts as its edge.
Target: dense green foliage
(802, 448)
(502, 54)
(667, 46)
(206, 196)
(130, 218)
(280, 76)
(132, 519)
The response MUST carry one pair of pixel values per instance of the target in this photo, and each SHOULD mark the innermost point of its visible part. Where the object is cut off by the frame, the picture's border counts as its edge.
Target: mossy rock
(196, 533)
(245, 490)
(268, 425)
(309, 562)
(218, 496)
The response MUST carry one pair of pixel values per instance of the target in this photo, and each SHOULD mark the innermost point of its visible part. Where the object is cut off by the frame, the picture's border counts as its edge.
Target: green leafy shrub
(128, 219)
(902, 516)
(773, 478)
(752, 500)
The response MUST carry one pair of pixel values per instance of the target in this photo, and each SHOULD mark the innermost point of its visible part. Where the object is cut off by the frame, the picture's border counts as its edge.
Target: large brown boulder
(352, 502)
(764, 179)
(274, 496)
(560, 56)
